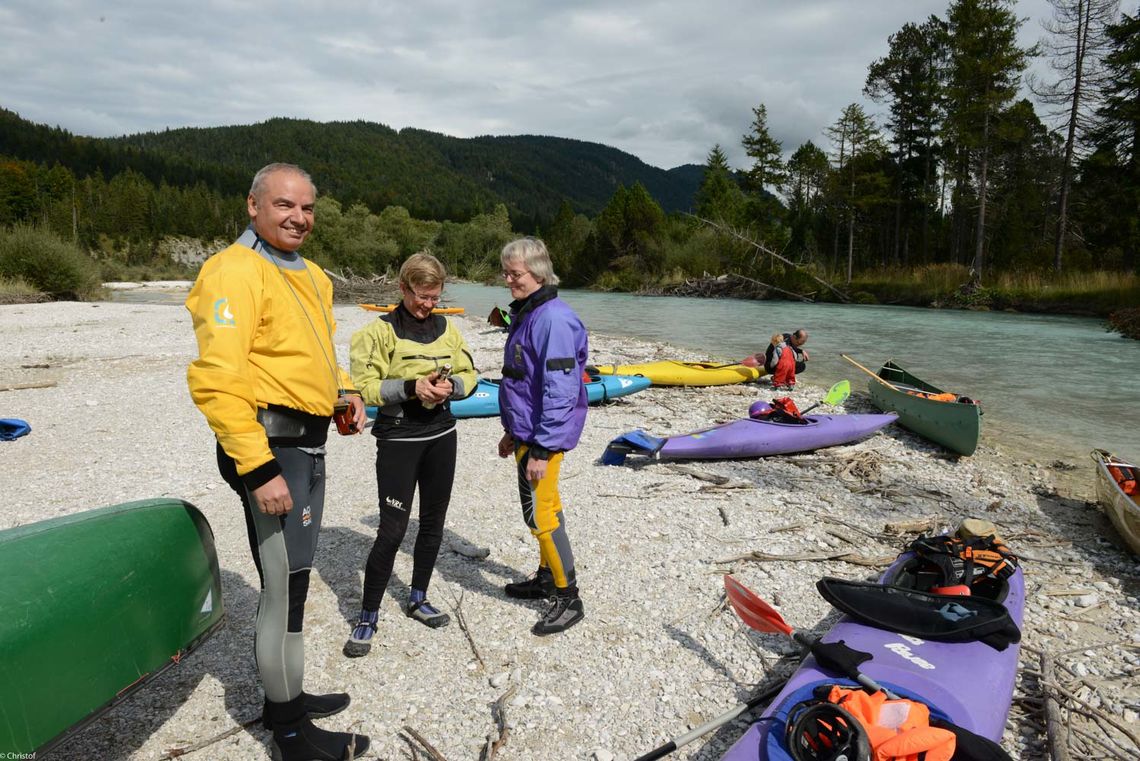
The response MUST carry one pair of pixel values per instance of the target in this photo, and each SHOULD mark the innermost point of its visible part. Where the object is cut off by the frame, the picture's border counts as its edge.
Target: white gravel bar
(657, 654)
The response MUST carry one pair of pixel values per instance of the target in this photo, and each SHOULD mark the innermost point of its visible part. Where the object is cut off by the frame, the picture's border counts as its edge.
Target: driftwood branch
(500, 713)
(1096, 712)
(846, 557)
(466, 631)
(179, 752)
(730, 285)
(697, 473)
(22, 386)
(1055, 729)
(431, 751)
(919, 526)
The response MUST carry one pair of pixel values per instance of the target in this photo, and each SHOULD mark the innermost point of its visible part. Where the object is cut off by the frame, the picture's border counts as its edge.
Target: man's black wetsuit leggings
(400, 467)
(283, 548)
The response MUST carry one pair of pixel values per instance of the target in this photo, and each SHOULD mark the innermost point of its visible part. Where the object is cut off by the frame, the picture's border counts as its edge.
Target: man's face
(799, 339)
(283, 213)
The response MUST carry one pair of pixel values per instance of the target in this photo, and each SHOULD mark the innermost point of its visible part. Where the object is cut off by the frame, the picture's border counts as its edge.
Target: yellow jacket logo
(222, 314)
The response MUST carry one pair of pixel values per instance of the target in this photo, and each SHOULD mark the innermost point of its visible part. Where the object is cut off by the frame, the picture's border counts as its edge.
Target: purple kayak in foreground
(969, 684)
(748, 437)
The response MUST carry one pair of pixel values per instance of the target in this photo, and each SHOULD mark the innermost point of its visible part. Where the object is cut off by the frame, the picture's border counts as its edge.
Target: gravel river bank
(658, 652)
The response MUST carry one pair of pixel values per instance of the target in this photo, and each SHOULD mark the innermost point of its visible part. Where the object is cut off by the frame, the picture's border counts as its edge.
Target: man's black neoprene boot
(537, 587)
(316, 706)
(296, 738)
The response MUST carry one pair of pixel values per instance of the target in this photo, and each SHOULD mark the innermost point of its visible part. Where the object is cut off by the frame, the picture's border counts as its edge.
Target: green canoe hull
(953, 425)
(93, 605)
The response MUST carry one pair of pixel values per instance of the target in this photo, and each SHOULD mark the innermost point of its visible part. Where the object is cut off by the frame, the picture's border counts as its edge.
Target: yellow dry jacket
(383, 361)
(264, 338)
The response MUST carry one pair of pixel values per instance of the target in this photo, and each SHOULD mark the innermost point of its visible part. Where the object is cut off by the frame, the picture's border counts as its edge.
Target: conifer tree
(767, 168)
(718, 197)
(985, 70)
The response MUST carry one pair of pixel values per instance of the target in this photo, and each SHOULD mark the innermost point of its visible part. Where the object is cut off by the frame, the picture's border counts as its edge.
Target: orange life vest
(1126, 477)
(898, 730)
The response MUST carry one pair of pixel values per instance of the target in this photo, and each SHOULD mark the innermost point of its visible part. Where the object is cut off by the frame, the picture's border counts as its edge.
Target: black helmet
(825, 732)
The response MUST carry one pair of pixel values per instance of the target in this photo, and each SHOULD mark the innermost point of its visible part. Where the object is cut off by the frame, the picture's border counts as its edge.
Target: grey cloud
(662, 80)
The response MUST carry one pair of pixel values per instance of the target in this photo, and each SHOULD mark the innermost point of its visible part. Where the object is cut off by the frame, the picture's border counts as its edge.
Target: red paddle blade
(753, 611)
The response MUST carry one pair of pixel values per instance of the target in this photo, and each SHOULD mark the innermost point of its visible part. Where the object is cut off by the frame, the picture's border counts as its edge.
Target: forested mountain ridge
(432, 175)
(85, 156)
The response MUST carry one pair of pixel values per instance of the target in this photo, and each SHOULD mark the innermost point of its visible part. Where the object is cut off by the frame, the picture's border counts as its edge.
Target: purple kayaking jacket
(542, 399)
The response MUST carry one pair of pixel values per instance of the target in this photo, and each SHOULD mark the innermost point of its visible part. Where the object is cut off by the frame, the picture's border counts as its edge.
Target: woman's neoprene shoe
(424, 612)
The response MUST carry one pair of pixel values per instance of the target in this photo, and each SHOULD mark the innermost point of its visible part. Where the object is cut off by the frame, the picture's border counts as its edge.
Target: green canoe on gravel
(93, 605)
(954, 421)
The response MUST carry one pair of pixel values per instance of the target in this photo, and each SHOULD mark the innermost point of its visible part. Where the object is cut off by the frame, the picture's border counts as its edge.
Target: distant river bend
(1052, 387)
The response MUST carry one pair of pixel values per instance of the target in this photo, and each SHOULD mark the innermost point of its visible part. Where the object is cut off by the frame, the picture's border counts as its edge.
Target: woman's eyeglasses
(427, 298)
(514, 276)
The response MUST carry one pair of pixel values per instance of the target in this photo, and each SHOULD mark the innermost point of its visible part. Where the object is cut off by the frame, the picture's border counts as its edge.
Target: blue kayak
(484, 401)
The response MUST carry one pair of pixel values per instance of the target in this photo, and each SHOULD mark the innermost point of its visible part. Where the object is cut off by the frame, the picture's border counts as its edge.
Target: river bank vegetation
(959, 194)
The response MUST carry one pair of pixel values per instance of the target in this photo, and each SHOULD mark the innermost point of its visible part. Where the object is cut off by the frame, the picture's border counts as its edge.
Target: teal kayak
(484, 400)
(95, 604)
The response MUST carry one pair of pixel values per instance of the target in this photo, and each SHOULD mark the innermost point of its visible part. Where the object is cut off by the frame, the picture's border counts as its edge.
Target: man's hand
(273, 497)
(359, 414)
(506, 445)
(535, 469)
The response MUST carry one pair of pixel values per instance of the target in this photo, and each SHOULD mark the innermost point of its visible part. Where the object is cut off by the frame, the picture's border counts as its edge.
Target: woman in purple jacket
(542, 404)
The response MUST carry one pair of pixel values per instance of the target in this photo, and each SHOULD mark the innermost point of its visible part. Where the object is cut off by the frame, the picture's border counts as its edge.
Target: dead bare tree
(1077, 44)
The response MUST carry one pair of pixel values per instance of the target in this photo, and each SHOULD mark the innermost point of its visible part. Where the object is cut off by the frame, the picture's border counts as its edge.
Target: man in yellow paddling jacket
(267, 381)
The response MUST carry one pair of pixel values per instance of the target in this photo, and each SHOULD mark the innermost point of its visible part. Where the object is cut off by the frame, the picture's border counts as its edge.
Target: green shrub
(48, 262)
(17, 290)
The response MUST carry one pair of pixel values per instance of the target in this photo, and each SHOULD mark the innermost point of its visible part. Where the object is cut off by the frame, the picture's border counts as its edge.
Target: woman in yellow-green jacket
(400, 362)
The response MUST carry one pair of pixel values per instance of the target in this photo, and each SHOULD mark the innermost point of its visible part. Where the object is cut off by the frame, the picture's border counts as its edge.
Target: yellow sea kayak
(670, 372)
(390, 307)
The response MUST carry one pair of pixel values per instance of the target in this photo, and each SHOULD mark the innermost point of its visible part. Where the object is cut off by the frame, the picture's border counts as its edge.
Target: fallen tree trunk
(769, 252)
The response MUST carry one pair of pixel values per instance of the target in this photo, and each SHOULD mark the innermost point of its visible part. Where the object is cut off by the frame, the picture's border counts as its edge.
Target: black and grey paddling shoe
(316, 706)
(566, 610)
(360, 642)
(424, 612)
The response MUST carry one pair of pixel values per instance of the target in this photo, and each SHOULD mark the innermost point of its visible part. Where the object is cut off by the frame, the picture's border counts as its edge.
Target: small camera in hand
(342, 414)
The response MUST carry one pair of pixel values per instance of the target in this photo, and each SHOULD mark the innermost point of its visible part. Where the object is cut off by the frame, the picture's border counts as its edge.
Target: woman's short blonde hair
(534, 256)
(422, 270)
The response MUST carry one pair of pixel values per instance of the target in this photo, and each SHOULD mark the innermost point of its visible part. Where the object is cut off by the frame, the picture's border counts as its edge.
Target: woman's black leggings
(400, 467)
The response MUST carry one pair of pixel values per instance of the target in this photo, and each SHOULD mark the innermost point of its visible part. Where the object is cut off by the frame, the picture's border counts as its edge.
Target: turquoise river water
(1052, 388)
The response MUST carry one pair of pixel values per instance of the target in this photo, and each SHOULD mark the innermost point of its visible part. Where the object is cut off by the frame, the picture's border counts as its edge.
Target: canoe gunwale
(66, 735)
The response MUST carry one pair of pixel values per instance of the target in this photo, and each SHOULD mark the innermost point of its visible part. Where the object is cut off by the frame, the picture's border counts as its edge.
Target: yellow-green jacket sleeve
(370, 356)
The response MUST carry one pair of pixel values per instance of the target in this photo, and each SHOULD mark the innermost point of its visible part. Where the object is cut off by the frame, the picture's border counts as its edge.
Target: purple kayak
(748, 437)
(967, 683)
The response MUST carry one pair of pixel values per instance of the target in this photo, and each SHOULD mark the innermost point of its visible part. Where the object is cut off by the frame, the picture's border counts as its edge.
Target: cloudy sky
(664, 81)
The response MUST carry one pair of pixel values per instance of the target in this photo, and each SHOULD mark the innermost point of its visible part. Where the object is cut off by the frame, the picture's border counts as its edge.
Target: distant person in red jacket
(785, 357)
